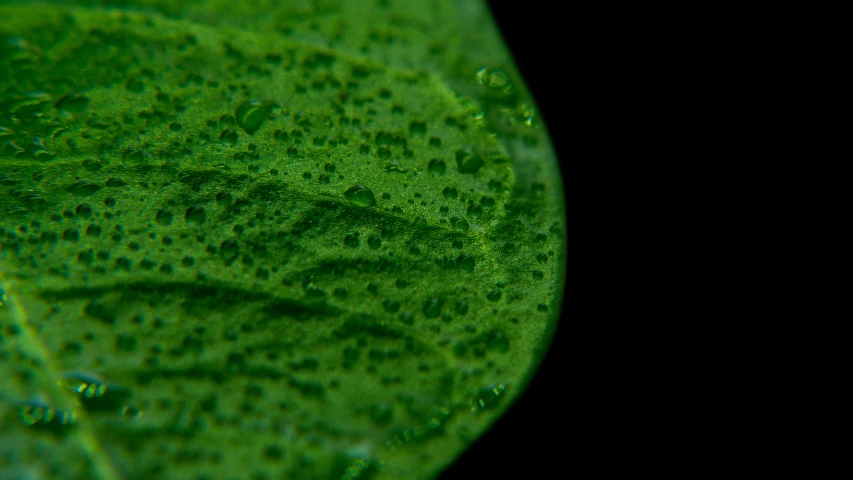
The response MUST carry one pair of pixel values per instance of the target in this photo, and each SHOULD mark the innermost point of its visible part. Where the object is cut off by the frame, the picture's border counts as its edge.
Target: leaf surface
(317, 240)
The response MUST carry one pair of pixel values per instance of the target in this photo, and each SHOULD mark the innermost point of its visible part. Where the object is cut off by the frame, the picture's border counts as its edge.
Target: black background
(534, 438)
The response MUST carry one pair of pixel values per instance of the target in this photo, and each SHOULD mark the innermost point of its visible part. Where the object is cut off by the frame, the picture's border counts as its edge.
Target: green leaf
(319, 240)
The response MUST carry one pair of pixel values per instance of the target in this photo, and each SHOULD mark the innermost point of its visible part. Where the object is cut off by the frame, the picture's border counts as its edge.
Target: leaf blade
(288, 256)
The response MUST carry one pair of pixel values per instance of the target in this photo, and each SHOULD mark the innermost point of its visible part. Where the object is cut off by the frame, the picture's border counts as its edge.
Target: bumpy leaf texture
(266, 240)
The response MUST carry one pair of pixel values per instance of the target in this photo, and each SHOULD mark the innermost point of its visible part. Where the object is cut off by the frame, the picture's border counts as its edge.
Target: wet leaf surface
(254, 241)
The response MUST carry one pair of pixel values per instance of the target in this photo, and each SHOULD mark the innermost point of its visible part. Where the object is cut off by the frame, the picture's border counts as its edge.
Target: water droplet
(461, 307)
(312, 291)
(390, 305)
(115, 182)
(195, 215)
(223, 198)
(280, 135)
(465, 263)
(229, 250)
(449, 192)
(432, 308)
(498, 79)
(381, 414)
(374, 242)
(493, 295)
(37, 149)
(12, 148)
(32, 199)
(350, 356)
(273, 452)
(467, 162)
(384, 139)
(417, 128)
(72, 235)
(20, 53)
(83, 188)
(360, 195)
(228, 138)
(351, 240)
(37, 414)
(436, 167)
(75, 103)
(498, 157)
(251, 115)
(31, 106)
(497, 342)
(459, 223)
(84, 210)
(164, 217)
(94, 394)
(394, 167)
(407, 318)
(133, 155)
(489, 397)
(92, 165)
(482, 75)
(135, 85)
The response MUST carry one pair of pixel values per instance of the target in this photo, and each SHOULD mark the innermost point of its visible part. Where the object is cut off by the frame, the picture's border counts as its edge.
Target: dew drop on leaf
(228, 138)
(436, 167)
(75, 103)
(164, 218)
(251, 115)
(361, 196)
(468, 162)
